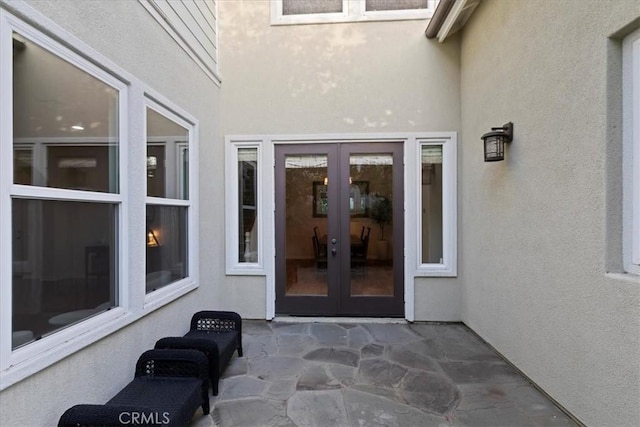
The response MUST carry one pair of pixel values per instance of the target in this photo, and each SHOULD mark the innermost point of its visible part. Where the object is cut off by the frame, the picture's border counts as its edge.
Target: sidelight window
(436, 181)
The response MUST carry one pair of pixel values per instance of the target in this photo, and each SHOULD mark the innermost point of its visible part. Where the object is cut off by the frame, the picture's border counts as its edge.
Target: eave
(449, 17)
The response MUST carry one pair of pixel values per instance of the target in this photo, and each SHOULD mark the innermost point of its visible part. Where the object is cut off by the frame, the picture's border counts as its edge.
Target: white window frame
(631, 153)
(232, 206)
(171, 112)
(448, 266)
(8, 357)
(352, 11)
(18, 364)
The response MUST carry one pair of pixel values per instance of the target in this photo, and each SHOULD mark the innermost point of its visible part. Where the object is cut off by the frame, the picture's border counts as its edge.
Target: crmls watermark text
(136, 418)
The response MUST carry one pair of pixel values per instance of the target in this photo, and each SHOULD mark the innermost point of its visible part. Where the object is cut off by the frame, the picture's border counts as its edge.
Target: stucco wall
(537, 228)
(331, 78)
(370, 77)
(125, 33)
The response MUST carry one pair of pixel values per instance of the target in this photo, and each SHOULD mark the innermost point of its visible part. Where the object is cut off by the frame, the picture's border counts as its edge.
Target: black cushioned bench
(218, 334)
(168, 388)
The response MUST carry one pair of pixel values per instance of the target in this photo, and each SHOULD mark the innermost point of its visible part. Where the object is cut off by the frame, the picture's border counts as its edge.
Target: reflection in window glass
(306, 224)
(22, 166)
(432, 204)
(183, 166)
(304, 7)
(63, 268)
(167, 169)
(395, 4)
(54, 101)
(248, 204)
(166, 243)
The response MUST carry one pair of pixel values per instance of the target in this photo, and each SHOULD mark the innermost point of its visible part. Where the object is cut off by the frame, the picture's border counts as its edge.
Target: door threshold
(304, 319)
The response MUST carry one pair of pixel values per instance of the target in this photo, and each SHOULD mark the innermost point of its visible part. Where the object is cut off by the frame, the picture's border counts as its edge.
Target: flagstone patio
(373, 374)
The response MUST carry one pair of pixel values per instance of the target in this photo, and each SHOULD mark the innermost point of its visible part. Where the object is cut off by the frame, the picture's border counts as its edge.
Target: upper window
(286, 12)
(631, 157)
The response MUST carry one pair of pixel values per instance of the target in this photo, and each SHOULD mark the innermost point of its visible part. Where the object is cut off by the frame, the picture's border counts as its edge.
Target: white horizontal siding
(193, 25)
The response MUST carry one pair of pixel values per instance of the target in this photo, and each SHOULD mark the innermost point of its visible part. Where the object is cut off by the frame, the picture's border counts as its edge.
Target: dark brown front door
(339, 229)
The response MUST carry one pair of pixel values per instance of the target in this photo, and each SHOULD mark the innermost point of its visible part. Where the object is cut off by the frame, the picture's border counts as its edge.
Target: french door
(339, 229)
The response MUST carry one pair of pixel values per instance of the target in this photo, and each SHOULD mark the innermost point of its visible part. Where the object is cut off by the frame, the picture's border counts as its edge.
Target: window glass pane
(67, 118)
(167, 157)
(64, 264)
(372, 5)
(432, 204)
(166, 242)
(304, 7)
(371, 224)
(306, 224)
(248, 204)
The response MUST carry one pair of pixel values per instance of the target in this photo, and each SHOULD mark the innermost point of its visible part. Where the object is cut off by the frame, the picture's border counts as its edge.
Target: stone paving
(341, 374)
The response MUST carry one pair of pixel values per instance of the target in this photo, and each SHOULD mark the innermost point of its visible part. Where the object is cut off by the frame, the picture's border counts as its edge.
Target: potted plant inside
(381, 212)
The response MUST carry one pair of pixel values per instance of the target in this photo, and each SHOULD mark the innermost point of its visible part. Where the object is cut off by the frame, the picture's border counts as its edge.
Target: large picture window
(65, 200)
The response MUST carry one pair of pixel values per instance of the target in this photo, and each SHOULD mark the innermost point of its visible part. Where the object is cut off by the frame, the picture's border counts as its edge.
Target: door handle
(334, 251)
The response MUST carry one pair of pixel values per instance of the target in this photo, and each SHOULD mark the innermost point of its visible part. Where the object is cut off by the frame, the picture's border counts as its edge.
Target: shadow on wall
(354, 74)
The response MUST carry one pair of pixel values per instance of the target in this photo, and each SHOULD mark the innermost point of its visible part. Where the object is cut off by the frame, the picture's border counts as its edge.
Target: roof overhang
(449, 17)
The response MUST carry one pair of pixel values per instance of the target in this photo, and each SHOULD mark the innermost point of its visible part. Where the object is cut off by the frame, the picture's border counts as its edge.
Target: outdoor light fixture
(494, 142)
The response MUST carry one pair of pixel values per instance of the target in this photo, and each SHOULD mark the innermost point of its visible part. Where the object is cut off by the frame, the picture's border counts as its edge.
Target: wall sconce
(494, 142)
(152, 241)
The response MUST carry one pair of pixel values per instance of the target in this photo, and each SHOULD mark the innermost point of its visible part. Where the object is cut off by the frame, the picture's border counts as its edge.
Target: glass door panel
(307, 265)
(370, 215)
(372, 229)
(306, 242)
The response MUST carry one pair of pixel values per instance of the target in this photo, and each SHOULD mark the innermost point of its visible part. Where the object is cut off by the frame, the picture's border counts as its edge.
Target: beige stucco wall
(373, 77)
(332, 78)
(125, 33)
(538, 228)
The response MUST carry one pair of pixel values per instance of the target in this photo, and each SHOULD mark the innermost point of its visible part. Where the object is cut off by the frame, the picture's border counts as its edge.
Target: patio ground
(373, 374)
